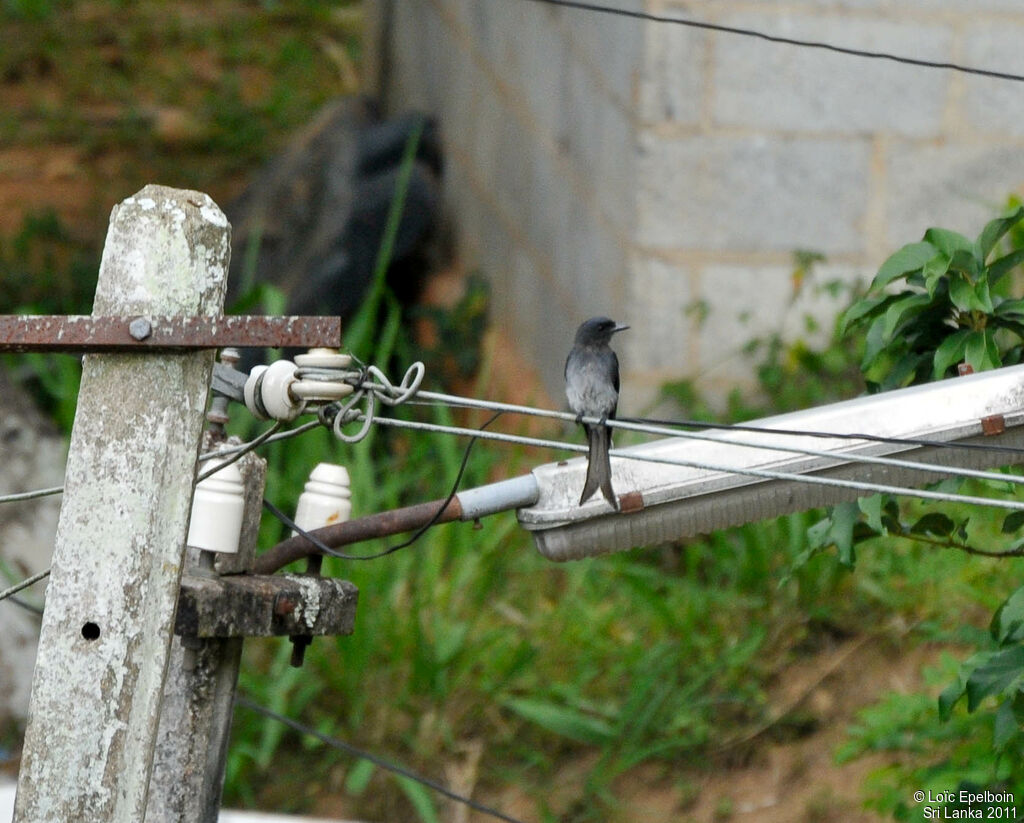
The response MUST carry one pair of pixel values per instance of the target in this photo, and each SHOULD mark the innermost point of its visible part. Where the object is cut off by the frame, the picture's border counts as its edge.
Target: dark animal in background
(312, 222)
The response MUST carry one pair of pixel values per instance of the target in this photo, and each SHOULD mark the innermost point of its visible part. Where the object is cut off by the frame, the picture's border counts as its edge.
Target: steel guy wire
(32, 495)
(24, 584)
(243, 450)
(408, 392)
(768, 474)
(274, 437)
(669, 428)
(348, 748)
(794, 449)
(789, 41)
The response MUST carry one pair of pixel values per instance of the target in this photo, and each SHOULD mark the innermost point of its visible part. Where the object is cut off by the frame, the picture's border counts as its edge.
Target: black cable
(348, 748)
(874, 438)
(790, 41)
(243, 450)
(327, 550)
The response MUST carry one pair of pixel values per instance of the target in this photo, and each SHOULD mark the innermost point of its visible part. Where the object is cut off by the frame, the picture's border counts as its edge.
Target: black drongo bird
(592, 386)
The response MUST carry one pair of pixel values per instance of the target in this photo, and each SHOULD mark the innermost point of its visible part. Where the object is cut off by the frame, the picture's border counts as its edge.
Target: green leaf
(995, 676)
(563, 721)
(1008, 622)
(948, 242)
(420, 799)
(935, 523)
(980, 352)
(901, 310)
(1000, 267)
(837, 529)
(908, 259)
(358, 777)
(968, 296)
(963, 261)
(1010, 307)
(950, 695)
(872, 509)
(1005, 727)
(874, 342)
(994, 231)
(1012, 522)
(933, 272)
(949, 352)
(860, 309)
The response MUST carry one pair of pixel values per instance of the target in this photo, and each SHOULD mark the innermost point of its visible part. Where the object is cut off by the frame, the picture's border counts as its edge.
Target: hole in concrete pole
(90, 631)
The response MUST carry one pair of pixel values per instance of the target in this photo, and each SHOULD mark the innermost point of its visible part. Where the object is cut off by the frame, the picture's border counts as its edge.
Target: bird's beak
(619, 327)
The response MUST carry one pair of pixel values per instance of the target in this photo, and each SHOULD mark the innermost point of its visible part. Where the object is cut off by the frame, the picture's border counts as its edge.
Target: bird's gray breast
(587, 385)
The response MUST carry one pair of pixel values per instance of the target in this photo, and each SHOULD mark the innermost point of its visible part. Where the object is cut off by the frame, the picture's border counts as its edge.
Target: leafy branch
(953, 307)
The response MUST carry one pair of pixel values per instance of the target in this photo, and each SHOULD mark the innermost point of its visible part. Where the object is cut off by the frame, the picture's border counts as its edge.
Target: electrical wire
(766, 474)
(24, 584)
(274, 437)
(348, 748)
(240, 452)
(790, 41)
(646, 427)
(670, 427)
(32, 495)
(874, 438)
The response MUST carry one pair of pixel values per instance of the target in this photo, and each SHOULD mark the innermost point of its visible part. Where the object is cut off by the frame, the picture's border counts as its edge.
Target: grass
(186, 94)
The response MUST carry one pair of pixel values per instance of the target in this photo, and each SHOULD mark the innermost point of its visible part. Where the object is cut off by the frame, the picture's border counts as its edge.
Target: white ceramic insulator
(269, 386)
(323, 359)
(321, 390)
(326, 498)
(216, 522)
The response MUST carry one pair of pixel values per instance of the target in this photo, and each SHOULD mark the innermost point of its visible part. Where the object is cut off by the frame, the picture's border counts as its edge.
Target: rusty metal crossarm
(242, 605)
(88, 333)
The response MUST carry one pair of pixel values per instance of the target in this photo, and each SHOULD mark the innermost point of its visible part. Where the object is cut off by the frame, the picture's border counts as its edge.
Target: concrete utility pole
(199, 693)
(120, 542)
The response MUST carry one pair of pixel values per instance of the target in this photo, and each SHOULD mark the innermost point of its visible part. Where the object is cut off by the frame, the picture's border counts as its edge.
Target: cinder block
(994, 107)
(671, 84)
(752, 193)
(955, 185)
(539, 66)
(888, 7)
(662, 330)
(611, 47)
(778, 86)
(745, 303)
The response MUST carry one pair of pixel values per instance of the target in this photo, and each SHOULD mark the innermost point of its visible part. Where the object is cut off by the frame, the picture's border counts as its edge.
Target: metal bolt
(283, 605)
(140, 328)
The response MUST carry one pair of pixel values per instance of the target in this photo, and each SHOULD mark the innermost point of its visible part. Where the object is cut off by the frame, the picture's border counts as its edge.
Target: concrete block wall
(601, 164)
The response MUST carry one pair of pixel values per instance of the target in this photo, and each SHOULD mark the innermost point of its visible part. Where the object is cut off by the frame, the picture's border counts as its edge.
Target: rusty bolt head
(283, 605)
(140, 328)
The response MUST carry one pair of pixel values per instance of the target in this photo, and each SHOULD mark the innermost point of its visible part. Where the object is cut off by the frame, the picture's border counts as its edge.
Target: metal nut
(140, 328)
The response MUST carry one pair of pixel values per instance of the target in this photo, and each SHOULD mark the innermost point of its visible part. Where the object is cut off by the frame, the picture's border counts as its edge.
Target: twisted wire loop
(370, 385)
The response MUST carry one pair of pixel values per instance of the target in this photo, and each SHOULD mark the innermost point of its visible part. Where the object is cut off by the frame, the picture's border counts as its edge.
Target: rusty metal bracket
(86, 333)
(243, 605)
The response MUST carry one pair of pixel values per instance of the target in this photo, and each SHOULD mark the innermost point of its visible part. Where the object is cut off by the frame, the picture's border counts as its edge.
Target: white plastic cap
(217, 506)
(326, 498)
